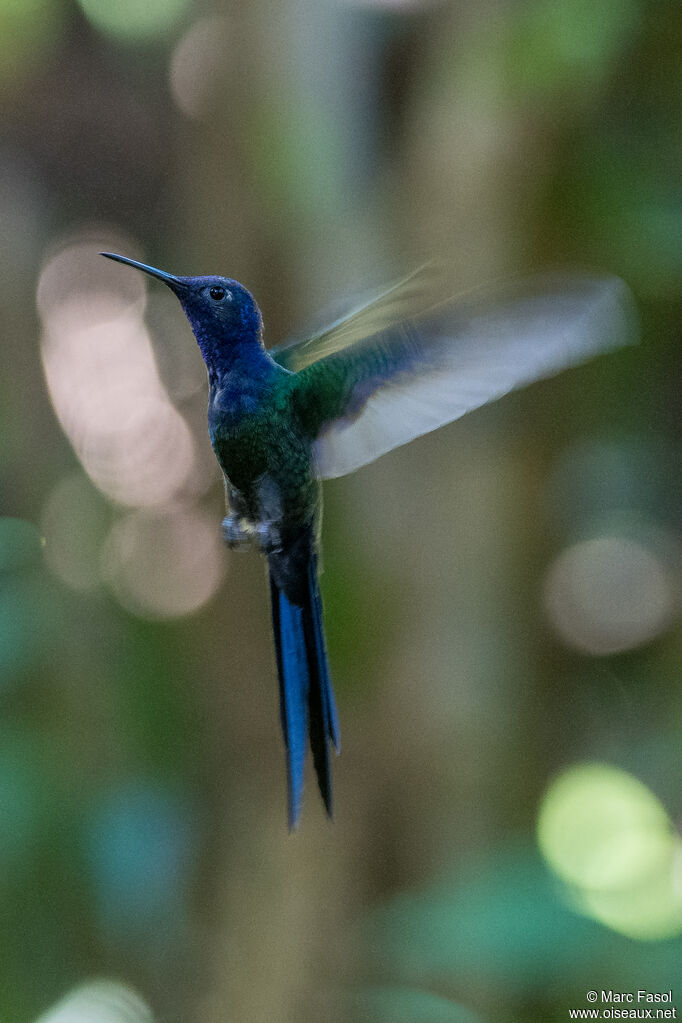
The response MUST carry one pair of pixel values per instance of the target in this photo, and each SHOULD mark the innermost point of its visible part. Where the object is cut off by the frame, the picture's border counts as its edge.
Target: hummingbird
(394, 366)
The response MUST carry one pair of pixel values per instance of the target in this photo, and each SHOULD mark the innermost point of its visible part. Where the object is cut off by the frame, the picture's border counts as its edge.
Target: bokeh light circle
(76, 271)
(99, 1002)
(104, 382)
(609, 594)
(606, 835)
(132, 19)
(196, 64)
(75, 520)
(599, 827)
(164, 564)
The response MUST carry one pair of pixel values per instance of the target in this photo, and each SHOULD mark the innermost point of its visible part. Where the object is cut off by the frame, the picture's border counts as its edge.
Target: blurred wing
(368, 397)
(409, 297)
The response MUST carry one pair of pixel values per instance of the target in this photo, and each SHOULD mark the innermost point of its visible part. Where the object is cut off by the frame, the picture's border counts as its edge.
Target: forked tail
(307, 706)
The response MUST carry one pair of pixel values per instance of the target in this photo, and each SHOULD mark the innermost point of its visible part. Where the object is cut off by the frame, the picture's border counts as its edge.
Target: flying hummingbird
(389, 370)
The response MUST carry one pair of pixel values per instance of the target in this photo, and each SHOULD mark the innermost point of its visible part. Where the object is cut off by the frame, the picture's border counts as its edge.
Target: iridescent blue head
(222, 313)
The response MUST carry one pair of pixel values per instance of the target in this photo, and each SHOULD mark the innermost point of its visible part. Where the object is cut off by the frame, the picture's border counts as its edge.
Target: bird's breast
(256, 436)
(240, 445)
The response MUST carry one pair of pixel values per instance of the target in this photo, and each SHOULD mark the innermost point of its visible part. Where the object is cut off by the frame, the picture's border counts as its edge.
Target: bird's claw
(268, 538)
(235, 535)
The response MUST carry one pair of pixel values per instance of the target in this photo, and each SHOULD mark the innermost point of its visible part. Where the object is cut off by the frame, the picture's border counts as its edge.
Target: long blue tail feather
(331, 716)
(307, 707)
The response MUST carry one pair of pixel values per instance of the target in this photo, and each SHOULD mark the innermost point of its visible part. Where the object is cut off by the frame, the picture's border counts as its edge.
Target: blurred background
(502, 597)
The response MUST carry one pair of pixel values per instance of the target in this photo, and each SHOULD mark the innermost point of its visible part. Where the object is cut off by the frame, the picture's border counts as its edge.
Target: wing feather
(409, 297)
(366, 397)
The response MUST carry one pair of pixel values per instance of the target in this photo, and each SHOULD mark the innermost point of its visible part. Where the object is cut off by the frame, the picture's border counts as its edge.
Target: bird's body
(259, 445)
(280, 421)
(274, 496)
(274, 499)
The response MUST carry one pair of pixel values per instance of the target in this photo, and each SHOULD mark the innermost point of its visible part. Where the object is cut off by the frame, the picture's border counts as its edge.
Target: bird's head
(221, 312)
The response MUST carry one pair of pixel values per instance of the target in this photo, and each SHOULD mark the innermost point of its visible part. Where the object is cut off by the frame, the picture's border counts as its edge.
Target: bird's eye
(217, 293)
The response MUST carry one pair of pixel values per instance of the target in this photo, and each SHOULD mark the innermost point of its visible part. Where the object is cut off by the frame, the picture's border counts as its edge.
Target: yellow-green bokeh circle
(602, 829)
(132, 19)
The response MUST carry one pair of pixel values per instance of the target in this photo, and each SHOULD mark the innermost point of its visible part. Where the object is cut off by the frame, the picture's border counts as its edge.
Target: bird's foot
(235, 535)
(268, 538)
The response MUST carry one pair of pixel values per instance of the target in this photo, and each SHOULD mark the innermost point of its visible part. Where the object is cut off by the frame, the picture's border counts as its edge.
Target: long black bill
(170, 279)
